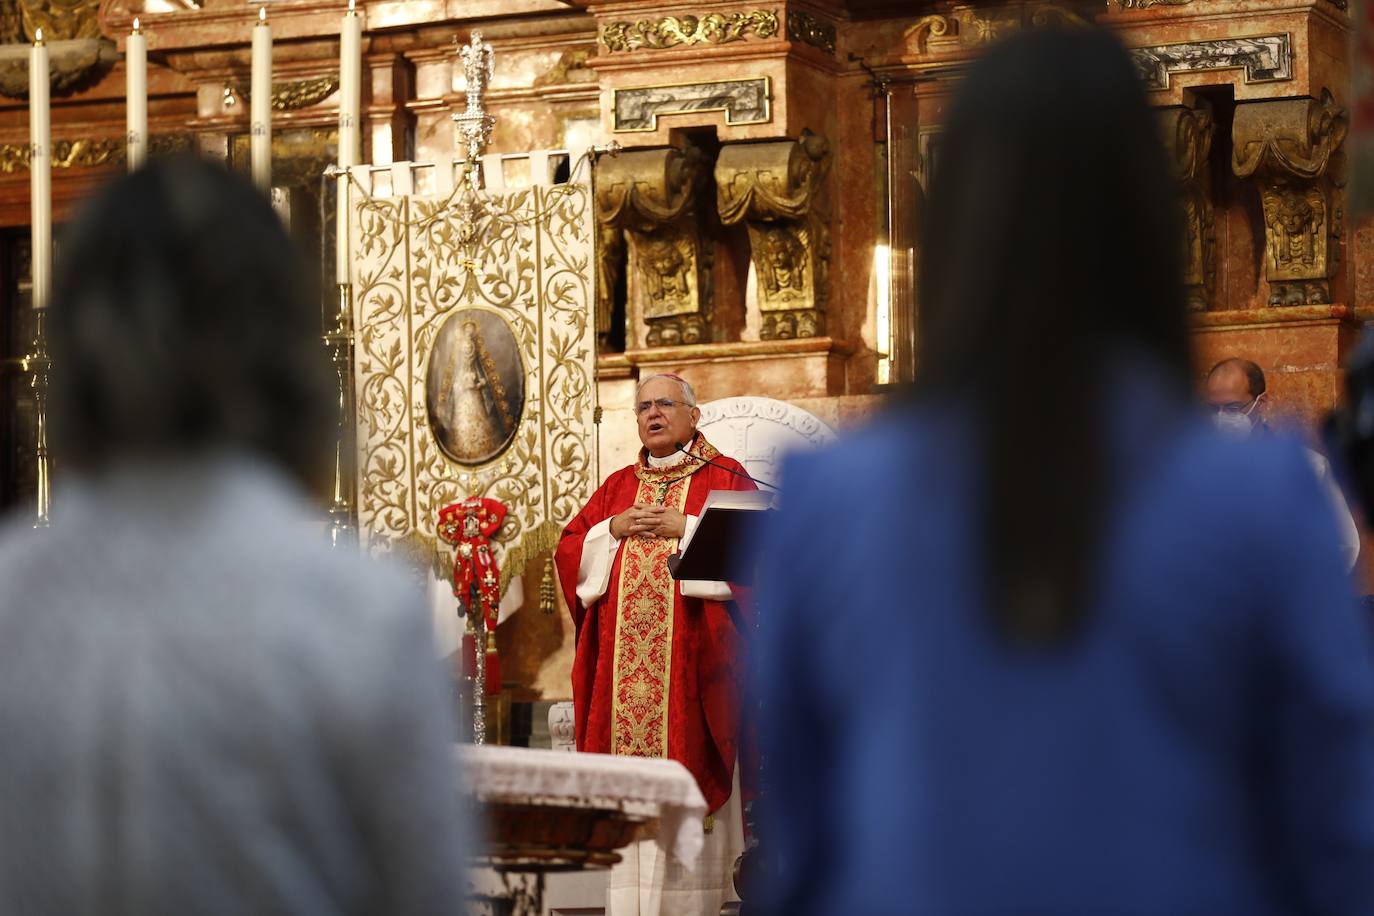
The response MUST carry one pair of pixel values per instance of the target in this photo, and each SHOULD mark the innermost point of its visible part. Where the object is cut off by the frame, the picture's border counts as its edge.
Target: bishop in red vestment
(658, 667)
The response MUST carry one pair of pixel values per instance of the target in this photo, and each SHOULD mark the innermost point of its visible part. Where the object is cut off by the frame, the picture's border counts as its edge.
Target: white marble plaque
(757, 432)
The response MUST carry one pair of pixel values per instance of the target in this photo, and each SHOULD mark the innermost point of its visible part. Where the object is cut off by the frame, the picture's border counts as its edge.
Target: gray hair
(688, 395)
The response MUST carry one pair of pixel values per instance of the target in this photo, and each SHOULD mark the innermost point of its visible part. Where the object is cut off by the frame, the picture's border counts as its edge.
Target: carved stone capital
(778, 189)
(1187, 134)
(649, 198)
(1287, 138)
(1292, 150)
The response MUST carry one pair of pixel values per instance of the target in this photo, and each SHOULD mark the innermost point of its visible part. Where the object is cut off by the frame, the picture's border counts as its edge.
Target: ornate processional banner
(475, 350)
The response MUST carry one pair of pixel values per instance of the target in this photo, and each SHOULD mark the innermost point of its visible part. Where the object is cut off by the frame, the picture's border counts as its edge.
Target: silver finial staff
(474, 124)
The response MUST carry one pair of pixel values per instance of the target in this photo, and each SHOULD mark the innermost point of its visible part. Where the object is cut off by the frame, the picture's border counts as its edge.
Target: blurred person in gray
(1238, 399)
(204, 709)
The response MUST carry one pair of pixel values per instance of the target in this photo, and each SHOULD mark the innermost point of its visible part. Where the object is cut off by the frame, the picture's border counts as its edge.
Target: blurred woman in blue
(1041, 640)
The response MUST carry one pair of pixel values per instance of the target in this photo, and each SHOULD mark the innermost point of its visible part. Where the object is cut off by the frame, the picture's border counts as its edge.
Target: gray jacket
(204, 710)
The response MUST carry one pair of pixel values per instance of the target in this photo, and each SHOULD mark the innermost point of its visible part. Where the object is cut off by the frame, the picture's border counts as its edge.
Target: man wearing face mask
(1236, 395)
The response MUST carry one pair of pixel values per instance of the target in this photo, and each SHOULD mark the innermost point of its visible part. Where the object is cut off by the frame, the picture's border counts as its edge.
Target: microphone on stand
(681, 447)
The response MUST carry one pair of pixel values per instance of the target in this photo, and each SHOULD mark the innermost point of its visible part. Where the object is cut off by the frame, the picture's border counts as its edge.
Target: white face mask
(1238, 425)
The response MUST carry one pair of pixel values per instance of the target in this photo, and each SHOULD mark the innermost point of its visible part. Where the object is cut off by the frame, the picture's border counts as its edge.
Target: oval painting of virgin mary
(475, 386)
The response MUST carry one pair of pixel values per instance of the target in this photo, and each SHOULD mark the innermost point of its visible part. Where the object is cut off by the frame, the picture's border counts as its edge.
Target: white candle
(136, 64)
(350, 112)
(260, 117)
(40, 171)
(350, 85)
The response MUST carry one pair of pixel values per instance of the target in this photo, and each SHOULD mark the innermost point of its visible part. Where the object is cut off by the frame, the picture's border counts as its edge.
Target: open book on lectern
(711, 549)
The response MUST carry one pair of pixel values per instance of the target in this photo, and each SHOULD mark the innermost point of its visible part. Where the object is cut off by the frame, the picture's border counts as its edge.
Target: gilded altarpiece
(483, 300)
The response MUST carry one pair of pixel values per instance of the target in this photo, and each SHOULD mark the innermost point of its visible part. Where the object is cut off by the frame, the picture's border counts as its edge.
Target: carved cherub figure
(664, 269)
(782, 262)
(1296, 224)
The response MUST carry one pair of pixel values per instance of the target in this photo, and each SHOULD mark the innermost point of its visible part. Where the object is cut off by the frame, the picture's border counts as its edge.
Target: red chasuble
(656, 674)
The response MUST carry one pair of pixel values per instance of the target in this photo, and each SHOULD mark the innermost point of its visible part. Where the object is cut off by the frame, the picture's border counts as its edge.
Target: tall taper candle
(136, 68)
(260, 118)
(350, 112)
(350, 85)
(40, 171)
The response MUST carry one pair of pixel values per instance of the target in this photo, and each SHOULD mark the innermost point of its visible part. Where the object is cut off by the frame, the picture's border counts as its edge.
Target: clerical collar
(666, 461)
(669, 460)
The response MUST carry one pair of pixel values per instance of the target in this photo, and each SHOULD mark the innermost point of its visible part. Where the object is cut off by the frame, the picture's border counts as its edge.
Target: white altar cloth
(637, 786)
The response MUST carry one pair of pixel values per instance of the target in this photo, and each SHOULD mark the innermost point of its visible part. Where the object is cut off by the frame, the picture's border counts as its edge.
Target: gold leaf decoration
(671, 31)
(84, 154)
(294, 94)
(809, 30)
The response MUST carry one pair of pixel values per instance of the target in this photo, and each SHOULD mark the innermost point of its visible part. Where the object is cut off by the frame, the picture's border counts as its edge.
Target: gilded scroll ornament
(294, 94)
(672, 31)
(84, 154)
(1187, 134)
(778, 190)
(969, 26)
(1292, 150)
(809, 30)
(651, 197)
(1146, 4)
(930, 32)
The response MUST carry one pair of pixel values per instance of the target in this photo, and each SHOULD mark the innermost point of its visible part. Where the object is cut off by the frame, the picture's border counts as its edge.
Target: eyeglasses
(660, 403)
(1240, 408)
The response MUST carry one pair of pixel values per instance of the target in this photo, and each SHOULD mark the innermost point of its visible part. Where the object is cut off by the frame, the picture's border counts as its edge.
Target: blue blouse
(1204, 745)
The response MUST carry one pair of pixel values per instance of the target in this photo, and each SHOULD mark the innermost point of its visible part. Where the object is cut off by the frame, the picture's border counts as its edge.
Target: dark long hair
(182, 321)
(1051, 247)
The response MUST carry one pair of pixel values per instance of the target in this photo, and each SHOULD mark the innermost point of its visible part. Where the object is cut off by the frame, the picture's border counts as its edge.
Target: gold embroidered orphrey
(644, 623)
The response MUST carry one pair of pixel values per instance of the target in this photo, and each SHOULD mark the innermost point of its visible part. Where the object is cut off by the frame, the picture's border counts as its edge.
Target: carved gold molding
(671, 31)
(1146, 4)
(971, 26)
(295, 94)
(1292, 150)
(809, 30)
(778, 190)
(83, 154)
(1187, 134)
(647, 201)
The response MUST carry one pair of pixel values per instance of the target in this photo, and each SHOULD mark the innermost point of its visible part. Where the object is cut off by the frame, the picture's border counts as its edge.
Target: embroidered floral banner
(474, 356)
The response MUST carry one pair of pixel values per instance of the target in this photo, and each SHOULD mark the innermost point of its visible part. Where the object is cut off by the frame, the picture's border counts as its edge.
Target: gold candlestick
(38, 363)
